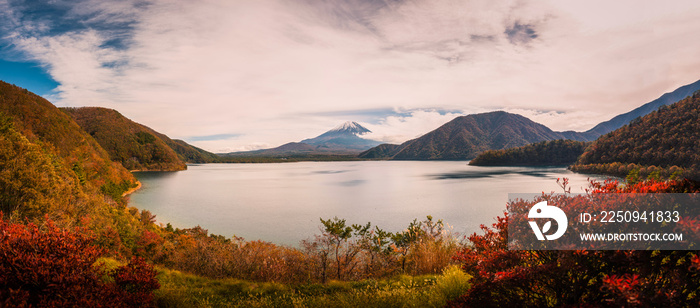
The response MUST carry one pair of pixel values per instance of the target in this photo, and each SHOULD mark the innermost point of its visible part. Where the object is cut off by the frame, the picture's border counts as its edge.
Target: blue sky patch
(28, 75)
(213, 137)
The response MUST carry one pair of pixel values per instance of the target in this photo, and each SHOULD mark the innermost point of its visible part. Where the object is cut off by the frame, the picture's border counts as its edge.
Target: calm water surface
(282, 203)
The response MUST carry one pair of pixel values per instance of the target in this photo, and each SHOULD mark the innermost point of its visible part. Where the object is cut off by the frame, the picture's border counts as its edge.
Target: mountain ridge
(135, 146)
(41, 121)
(665, 141)
(466, 136)
(49, 164)
(463, 144)
(665, 99)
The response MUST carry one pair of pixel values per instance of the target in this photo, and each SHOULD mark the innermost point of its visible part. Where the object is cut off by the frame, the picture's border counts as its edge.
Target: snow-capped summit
(351, 127)
(344, 136)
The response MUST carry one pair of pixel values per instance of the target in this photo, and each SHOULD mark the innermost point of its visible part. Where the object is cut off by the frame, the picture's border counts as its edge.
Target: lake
(282, 202)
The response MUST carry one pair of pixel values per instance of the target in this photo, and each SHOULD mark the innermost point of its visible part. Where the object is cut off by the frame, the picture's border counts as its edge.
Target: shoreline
(132, 190)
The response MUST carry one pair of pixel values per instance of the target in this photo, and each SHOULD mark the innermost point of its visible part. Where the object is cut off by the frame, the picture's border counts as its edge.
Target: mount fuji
(344, 139)
(344, 136)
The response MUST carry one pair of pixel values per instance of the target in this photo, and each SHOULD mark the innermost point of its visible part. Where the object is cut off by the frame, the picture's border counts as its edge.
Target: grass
(185, 290)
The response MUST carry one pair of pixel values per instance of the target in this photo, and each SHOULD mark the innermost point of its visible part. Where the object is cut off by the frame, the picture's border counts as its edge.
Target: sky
(251, 74)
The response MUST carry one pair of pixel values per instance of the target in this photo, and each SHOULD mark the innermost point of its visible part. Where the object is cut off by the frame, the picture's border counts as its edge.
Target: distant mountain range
(344, 139)
(465, 137)
(138, 147)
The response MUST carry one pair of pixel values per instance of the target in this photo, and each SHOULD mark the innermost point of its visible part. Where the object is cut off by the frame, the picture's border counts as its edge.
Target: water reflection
(352, 183)
(329, 171)
(282, 203)
(487, 172)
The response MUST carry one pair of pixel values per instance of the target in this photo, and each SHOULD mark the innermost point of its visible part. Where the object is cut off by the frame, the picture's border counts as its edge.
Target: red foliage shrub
(55, 267)
(135, 283)
(149, 244)
(538, 278)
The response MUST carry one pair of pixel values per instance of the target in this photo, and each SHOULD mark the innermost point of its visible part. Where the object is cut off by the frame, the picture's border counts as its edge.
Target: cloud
(397, 129)
(274, 71)
(560, 120)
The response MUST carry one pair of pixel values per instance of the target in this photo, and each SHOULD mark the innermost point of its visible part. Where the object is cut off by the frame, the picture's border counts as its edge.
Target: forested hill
(546, 153)
(189, 153)
(665, 141)
(382, 151)
(467, 136)
(48, 164)
(135, 146)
